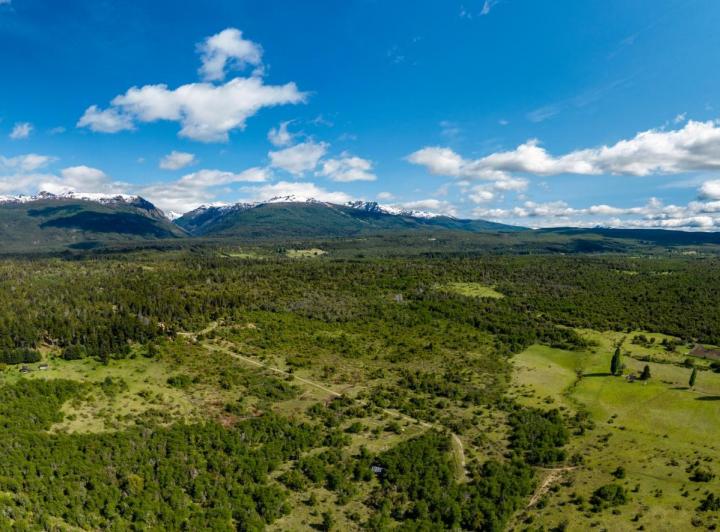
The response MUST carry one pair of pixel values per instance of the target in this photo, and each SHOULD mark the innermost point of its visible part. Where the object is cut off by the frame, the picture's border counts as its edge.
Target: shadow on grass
(708, 398)
(680, 388)
(597, 375)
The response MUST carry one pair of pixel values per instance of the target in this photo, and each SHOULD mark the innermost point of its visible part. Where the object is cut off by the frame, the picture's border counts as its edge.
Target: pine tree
(645, 373)
(615, 362)
(693, 377)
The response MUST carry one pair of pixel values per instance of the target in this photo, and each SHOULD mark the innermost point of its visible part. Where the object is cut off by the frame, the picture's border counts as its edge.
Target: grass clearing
(305, 253)
(122, 391)
(473, 290)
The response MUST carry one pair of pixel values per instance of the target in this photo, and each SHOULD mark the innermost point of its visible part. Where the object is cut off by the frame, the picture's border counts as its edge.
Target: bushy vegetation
(538, 435)
(195, 477)
(418, 487)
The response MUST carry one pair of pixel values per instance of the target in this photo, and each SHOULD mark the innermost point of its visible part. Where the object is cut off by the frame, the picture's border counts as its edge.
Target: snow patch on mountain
(367, 206)
(373, 206)
(105, 199)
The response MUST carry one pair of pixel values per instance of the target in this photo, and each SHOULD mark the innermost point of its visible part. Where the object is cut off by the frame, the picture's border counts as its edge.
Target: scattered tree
(615, 363)
(645, 373)
(693, 377)
(619, 473)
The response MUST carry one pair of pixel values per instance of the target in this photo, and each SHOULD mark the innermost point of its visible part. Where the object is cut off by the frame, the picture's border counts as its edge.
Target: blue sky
(539, 113)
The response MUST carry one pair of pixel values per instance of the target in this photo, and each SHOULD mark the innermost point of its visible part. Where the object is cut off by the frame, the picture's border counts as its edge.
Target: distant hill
(49, 221)
(659, 237)
(294, 217)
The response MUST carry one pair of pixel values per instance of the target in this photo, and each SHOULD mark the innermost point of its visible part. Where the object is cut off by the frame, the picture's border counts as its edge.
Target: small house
(24, 369)
(43, 367)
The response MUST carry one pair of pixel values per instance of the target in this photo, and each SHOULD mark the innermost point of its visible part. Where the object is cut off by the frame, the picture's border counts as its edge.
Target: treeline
(19, 355)
(103, 305)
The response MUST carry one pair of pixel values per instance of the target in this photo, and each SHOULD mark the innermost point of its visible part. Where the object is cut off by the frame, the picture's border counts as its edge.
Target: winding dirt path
(458, 446)
(554, 475)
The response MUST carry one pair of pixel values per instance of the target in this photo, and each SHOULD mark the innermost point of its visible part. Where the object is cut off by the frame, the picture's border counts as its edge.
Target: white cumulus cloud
(299, 159)
(25, 163)
(348, 168)
(695, 215)
(206, 111)
(198, 188)
(212, 178)
(21, 130)
(710, 190)
(431, 205)
(694, 147)
(280, 136)
(105, 121)
(175, 160)
(384, 196)
(227, 48)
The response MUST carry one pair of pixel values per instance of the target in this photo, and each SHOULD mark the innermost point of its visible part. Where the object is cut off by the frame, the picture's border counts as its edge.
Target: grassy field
(123, 392)
(473, 290)
(657, 431)
(130, 391)
(305, 253)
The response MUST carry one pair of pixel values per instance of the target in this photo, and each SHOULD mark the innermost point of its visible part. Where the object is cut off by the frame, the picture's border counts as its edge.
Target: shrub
(608, 496)
(701, 474)
(179, 381)
(711, 503)
(74, 352)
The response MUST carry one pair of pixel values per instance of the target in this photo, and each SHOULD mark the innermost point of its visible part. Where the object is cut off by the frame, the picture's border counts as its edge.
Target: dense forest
(103, 304)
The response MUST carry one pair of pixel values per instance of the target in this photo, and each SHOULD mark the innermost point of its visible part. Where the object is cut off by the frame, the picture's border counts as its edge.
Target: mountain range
(50, 221)
(293, 216)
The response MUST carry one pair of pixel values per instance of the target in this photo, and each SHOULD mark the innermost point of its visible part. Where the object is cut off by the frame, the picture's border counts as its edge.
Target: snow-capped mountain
(105, 199)
(365, 206)
(70, 218)
(108, 200)
(306, 216)
(373, 206)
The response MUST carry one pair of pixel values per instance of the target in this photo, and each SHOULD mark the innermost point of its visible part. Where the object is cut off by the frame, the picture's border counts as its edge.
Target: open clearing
(473, 290)
(305, 253)
(656, 431)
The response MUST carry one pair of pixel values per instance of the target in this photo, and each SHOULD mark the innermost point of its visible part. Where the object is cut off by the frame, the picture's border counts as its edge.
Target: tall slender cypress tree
(693, 377)
(615, 363)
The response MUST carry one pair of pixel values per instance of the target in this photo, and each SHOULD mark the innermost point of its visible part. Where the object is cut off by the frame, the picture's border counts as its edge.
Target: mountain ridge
(72, 219)
(299, 216)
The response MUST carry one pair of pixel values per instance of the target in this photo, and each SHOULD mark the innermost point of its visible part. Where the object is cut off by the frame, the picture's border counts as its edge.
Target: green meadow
(473, 290)
(648, 436)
